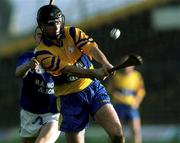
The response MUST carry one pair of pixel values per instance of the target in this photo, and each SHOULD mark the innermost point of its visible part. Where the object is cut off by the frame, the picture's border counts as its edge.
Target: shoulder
(42, 49)
(137, 74)
(41, 46)
(72, 31)
(71, 28)
(25, 56)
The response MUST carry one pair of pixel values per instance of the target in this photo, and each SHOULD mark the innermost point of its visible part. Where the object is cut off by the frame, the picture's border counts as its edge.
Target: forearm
(139, 99)
(83, 73)
(140, 95)
(99, 56)
(22, 70)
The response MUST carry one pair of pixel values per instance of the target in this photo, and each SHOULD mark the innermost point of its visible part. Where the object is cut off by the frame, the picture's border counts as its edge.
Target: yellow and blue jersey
(129, 85)
(73, 50)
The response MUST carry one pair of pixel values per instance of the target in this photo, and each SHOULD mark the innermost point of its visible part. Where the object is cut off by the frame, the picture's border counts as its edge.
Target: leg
(75, 137)
(74, 116)
(106, 116)
(26, 133)
(49, 133)
(136, 130)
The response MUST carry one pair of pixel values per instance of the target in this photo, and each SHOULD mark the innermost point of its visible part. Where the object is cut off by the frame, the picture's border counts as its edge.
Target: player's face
(129, 69)
(53, 29)
(37, 36)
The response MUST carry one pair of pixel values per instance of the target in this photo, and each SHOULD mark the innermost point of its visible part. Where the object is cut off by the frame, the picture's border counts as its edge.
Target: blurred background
(150, 28)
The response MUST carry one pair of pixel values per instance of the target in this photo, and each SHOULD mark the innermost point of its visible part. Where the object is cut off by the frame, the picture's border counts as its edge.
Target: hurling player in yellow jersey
(127, 90)
(66, 53)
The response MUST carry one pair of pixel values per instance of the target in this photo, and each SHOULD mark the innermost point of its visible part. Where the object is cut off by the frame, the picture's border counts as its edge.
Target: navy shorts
(126, 113)
(76, 107)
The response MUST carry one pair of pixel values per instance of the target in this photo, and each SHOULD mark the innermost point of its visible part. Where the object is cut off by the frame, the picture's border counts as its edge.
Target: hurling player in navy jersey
(38, 115)
(66, 53)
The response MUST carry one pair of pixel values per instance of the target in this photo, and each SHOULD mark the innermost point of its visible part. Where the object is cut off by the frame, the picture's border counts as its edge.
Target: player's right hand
(101, 73)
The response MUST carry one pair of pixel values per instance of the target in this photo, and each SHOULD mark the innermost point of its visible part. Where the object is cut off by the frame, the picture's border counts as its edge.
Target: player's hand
(33, 63)
(107, 68)
(101, 73)
(135, 105)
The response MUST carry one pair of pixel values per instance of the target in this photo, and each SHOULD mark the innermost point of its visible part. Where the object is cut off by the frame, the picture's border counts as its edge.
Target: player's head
(51, 21)
(129, 69)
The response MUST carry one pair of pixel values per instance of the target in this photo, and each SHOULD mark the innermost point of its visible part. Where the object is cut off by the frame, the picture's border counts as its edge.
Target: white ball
(115, 33)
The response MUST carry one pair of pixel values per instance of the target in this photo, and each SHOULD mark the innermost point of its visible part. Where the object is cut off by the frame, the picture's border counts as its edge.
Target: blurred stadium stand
(161, 69)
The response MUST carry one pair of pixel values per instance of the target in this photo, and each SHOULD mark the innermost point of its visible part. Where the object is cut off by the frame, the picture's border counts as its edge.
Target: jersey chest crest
(70, 49)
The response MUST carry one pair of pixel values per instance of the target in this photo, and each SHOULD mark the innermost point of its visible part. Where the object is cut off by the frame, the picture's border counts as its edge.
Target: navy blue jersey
(37, 92)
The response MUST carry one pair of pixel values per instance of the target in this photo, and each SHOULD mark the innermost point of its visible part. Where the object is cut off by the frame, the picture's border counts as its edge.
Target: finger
(105, 77)
(35, 62)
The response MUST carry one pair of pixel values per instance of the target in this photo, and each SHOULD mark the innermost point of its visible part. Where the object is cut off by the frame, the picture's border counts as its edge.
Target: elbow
(17, 73)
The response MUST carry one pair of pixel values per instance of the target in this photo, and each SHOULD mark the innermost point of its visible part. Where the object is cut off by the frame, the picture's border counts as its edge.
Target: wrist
(28, 65)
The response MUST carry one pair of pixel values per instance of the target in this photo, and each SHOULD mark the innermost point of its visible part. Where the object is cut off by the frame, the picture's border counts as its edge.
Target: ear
(42, 27)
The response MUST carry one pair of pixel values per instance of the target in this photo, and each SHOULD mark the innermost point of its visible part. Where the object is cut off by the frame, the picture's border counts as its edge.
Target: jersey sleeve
(24, 58)
(82, 41)
(51, 63)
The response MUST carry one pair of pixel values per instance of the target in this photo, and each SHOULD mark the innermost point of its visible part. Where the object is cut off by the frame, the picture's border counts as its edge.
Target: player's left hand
(107, 67)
